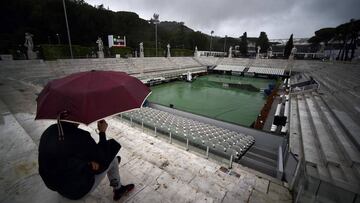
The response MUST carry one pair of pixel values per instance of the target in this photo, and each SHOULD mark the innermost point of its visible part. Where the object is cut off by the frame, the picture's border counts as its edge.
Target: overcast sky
(278, 18)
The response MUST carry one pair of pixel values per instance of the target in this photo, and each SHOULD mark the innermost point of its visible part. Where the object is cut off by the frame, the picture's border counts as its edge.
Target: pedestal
(31, 55)
(100, 54)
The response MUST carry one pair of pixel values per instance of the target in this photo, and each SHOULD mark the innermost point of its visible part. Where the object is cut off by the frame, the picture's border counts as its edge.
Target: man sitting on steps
(71, 163)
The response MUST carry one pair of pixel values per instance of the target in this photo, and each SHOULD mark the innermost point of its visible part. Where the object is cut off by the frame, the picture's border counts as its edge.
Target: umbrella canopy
(90, 96)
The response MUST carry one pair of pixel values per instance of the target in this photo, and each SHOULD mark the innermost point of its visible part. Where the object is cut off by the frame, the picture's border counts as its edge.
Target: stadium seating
(220, 141)
(230, 68)
(327, 147)
(267, 71)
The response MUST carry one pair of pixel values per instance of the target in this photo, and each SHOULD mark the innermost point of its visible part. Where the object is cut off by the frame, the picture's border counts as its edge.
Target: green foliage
(45, 19)
(314, 40)
(52, 52)
(263, 42)
(151, 52)
(244, 45)
(347, 34)
(123, 51)
(325, 34)
(181, 52)
(289, 45)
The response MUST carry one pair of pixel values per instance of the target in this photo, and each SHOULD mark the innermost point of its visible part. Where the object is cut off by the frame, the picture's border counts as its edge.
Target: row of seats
(267, 71)
(230, 68)
(220, 141)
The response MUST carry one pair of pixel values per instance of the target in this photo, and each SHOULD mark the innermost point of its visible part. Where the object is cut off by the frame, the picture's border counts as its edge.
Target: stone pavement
(162, 172)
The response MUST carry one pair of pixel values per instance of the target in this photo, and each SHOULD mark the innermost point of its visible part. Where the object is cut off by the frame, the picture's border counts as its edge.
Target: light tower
(212, 32)
(156, 21)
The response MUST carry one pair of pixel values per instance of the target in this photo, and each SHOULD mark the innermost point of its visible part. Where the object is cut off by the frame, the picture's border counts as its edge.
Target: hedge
(52, 52)
(123, 51)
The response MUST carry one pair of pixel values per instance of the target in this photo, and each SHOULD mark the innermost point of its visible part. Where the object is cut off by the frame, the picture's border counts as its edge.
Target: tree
(263, 42)
(289, 45)
(244, 45)
(325, 34)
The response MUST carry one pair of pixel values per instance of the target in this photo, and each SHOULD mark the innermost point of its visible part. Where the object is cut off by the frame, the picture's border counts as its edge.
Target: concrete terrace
(162, 172)
(316, 155)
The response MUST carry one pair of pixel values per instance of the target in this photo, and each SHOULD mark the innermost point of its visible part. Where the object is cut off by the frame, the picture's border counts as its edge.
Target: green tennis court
(208, 96)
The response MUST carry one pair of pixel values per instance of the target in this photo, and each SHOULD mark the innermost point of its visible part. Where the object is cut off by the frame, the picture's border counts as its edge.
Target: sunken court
(188, 145)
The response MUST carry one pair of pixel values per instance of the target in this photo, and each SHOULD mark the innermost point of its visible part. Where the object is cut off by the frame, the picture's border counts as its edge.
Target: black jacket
(64, 165)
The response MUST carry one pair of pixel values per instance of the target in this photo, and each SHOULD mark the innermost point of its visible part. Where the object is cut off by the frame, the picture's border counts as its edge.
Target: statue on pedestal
(258, 52)
(100, 44)
(141, 50)
(270, 53)
(101, 47)
(196, 52)
(168, 50)
(230, 52)
(293, 52)
(30, 46)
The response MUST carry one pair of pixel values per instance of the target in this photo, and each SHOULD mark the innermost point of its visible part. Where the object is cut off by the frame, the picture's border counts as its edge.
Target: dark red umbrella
(90, 96)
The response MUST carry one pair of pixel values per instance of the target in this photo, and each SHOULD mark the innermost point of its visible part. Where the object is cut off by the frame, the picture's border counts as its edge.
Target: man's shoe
(123, 190)
(118, 159)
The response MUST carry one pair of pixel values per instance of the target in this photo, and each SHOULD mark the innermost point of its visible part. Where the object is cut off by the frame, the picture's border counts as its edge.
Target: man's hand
(94, 165)
(102, 126)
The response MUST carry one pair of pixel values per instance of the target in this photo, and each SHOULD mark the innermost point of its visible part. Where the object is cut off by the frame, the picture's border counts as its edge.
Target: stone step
(260, 158)
(18, 161)
(347, 147)
(256, 149)
(258, 165)
(295, 134)
(323, 133)
(309, 143)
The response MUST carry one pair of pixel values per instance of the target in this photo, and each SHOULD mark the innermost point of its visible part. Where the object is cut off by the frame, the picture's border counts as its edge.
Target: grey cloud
(278, 18)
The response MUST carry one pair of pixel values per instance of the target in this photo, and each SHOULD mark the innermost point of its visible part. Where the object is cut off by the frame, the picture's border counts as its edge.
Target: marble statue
(270, 53)
(230, 52)
(168, 50)
(196, 54)
(29, 41)
(100, 44)
(141, 50)
(101, 47)
(258, 52)
(30, 46)
(293, 52)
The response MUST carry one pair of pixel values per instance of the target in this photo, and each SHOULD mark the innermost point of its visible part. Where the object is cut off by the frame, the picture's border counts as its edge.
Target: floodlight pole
(211, 40)
(156, 21)
(225, 43)
(156, 45)
(67, 28)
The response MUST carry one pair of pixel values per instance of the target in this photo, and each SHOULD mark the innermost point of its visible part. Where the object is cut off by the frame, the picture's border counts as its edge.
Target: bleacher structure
(317, 151)
(239, 66)
(266, 71)
(230, 68)
(222, 142)
(324, 132)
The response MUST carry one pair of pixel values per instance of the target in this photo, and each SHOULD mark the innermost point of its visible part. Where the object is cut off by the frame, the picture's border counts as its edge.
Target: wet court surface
(210, 96)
